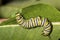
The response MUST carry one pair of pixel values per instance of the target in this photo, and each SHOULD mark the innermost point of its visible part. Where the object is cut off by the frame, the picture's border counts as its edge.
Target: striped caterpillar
(34, 22)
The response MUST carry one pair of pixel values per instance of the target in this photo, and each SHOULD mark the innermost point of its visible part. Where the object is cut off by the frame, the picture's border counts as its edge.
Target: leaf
(42, 10)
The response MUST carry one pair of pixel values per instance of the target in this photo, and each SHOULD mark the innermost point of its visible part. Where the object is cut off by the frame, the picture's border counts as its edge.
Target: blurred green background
(10, 6)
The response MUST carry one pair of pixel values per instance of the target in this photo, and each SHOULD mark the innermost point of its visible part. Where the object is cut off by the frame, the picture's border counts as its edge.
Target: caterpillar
(34, 22)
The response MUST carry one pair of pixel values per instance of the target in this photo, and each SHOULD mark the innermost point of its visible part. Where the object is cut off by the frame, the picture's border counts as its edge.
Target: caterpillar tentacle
(34, 22)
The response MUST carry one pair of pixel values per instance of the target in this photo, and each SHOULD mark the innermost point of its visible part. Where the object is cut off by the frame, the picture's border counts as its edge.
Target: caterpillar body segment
(47, 28)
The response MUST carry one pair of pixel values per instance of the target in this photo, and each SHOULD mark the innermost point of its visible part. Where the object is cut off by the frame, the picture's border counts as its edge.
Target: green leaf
(42, 10)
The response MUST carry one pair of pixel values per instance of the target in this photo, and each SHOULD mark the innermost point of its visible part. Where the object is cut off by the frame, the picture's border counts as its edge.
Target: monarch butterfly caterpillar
(34, 22)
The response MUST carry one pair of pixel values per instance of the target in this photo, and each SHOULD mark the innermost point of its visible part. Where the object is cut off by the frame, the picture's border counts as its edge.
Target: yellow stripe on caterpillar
(39, 21)
(20, 20)
(33, 21)
(49, 28)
